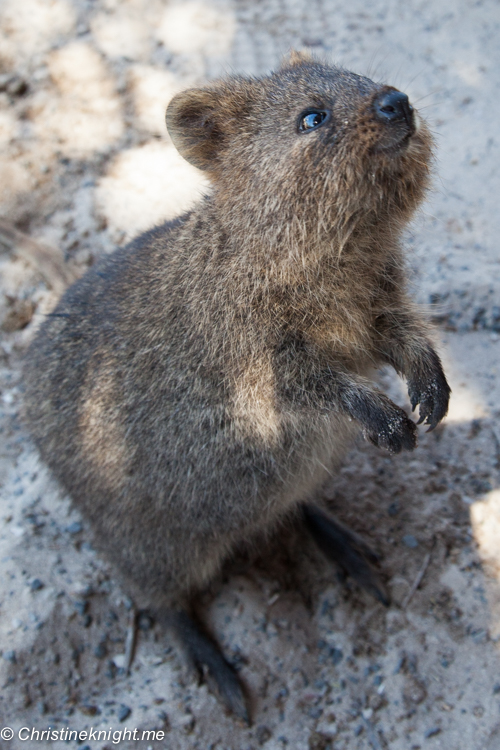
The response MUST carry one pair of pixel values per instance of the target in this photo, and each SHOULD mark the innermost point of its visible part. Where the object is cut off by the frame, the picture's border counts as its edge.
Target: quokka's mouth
(398, 146)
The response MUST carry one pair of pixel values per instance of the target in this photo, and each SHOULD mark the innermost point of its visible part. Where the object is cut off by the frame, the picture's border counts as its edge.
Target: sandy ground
(85, 163)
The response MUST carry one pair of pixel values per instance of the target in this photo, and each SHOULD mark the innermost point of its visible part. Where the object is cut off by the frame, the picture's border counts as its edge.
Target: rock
(74, 528)
(319, 741)
(101, 650)
(81, 606)
(89, 710)
(414, 691)
(410, 541)
(124, 712)
(144, 622)
(188, 723)
(17, 86)
(263, 734)
(432, 732)
(330, 653)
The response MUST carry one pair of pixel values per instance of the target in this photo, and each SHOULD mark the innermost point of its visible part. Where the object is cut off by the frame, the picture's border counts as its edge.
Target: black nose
(393, 106)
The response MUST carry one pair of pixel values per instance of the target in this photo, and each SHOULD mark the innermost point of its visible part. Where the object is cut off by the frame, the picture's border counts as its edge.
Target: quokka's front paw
(391, 428)
(432, 392)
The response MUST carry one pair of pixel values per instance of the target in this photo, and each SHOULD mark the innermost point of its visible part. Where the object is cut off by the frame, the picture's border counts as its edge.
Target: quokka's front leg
(384, 423)
(310, 385)
(404, 344)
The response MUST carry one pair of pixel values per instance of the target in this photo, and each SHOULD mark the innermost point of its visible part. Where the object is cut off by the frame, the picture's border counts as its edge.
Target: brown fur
(193, 388)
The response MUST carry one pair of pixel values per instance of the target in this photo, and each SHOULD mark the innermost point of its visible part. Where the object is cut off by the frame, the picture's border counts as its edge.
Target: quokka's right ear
(192, 124)
(296, 57)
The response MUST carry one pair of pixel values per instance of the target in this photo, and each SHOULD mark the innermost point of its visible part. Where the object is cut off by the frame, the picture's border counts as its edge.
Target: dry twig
(418, 579)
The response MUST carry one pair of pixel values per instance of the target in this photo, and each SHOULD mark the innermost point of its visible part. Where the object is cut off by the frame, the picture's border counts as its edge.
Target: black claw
(227, 687)
(393, 430)
(432, 392)
(347, 550)
(206, 658)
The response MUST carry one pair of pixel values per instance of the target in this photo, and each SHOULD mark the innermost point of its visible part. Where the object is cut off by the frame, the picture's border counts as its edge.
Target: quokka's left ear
(201, 121)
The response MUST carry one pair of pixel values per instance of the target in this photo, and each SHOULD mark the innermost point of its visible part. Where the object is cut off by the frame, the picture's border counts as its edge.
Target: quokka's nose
(393, 106)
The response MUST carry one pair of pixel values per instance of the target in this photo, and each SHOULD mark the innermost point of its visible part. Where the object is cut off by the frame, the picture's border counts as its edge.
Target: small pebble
(315, 712)
(89, 710)
(17, 87)
(188, 723)
(496, 688)
(263, 734)
(81, 606)
(163, 717)
(328, 652)
(101, 650)
(145, 622)
(10, 656)
(410, 541)
(124, 712)
(36, 584)
(480, 486)
(74, 528)
(432, 732)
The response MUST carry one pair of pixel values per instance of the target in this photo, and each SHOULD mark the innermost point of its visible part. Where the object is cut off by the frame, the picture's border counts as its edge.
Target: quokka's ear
(193, 125)
(296, 57)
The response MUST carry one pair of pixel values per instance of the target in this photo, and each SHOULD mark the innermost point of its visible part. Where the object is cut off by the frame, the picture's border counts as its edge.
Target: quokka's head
(311, 146)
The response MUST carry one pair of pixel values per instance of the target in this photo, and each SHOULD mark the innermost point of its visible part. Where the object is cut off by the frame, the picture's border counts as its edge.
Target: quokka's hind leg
(206, 658)
(346, 549)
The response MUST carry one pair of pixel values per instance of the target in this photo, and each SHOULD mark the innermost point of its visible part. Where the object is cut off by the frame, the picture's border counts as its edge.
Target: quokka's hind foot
(205, 657)
(346, 549)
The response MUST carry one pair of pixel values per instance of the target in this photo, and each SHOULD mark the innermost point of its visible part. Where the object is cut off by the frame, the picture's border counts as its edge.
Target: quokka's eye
(312, 119)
